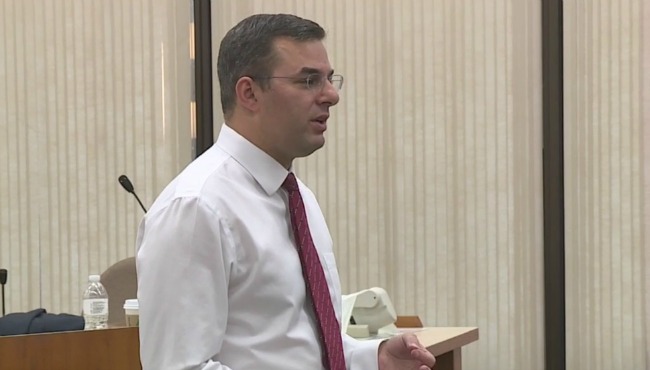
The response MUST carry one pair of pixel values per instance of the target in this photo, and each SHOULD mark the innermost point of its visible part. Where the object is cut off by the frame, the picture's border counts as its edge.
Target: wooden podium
(119, 349)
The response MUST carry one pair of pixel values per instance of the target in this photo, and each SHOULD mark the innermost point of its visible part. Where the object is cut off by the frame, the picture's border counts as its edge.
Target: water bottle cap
(93, 278)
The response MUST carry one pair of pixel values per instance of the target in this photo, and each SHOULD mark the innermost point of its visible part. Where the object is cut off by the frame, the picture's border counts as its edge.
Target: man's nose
(329, 94)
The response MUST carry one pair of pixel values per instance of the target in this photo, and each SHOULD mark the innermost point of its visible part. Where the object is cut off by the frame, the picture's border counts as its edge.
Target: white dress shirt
(220, 284)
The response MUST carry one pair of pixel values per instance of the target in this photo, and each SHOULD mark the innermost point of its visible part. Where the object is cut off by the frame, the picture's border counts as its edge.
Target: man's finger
(412, 341)
(423, 356)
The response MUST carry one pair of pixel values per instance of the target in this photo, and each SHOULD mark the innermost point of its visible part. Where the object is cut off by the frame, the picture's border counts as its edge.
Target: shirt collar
(268, 172)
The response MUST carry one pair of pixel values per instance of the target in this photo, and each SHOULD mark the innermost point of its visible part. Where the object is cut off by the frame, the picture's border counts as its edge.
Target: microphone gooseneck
(128, 186)
(3, 281)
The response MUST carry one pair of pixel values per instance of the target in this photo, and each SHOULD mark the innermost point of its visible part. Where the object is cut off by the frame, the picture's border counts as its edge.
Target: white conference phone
(368, 314)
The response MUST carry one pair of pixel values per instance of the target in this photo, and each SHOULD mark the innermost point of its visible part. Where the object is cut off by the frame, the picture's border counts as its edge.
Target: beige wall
(431, 176)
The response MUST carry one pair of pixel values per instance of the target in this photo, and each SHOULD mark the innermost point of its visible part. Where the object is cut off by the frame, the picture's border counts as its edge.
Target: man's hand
(404, 352)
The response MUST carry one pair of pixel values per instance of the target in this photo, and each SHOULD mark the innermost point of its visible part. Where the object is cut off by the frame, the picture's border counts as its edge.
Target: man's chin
(315, 145)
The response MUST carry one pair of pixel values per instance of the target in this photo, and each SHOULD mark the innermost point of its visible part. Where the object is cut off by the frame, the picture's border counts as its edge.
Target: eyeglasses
(313, 82)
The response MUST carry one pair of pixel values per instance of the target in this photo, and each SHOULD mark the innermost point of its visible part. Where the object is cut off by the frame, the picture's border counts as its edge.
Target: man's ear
(247, 92)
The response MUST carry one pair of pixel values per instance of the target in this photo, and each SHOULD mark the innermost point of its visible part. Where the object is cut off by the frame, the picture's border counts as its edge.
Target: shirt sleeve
(183, 263)
(361, 354)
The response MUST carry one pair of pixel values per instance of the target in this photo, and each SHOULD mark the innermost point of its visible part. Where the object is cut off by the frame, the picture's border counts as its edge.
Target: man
(235, 262)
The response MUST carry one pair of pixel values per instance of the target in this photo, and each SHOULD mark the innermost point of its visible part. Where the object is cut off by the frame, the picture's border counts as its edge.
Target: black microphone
(128, 186)
(3, 281)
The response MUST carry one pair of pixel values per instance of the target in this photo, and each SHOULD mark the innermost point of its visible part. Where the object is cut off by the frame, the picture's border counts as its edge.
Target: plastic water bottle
(95, 304)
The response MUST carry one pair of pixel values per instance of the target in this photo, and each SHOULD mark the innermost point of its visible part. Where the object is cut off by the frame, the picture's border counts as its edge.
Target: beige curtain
(607, 183)
(645, 119)
(431, 176)
(88, 91)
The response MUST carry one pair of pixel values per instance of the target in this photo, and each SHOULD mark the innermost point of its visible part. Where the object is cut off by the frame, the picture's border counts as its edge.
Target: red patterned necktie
(312, 270)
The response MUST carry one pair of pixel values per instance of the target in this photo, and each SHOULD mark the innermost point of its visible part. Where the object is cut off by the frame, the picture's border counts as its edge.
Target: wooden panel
(107, 349)
(449, 361)
(408, 322)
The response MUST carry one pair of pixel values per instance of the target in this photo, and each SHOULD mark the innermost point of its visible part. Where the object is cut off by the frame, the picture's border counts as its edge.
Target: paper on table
(348, 305)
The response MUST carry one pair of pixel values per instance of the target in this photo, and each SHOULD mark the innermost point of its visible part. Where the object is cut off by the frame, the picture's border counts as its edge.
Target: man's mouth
(322, 119)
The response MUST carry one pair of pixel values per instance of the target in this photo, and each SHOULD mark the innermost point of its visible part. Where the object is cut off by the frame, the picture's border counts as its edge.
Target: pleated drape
(431, 176)
(88, 91)
(607, 184)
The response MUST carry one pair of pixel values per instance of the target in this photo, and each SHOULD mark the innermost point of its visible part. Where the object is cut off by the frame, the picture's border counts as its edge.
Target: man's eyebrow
(309, 71)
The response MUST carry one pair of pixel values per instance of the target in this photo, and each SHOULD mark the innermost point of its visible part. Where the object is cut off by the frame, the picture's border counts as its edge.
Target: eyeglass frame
(334, 80)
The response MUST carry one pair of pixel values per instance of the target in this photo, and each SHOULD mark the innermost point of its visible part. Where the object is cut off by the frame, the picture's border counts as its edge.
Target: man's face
(293, 115)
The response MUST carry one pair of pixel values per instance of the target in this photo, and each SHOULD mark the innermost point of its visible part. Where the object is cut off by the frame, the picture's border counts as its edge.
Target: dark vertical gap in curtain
(203, 76)
(553, 187)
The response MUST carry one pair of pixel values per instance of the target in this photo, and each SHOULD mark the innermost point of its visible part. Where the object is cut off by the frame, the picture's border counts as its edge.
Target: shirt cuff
(363, 354)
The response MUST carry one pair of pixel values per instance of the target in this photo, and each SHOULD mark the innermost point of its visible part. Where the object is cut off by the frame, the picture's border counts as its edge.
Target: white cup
(131, 312)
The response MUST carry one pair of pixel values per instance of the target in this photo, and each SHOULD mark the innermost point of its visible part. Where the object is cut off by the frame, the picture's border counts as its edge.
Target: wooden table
(446, 344)
(118, 349)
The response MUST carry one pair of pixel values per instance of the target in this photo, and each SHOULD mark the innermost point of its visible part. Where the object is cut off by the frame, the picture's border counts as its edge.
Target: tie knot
(290, 184)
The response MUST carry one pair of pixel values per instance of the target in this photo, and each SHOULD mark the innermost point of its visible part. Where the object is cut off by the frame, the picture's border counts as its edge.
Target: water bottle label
(98, 306)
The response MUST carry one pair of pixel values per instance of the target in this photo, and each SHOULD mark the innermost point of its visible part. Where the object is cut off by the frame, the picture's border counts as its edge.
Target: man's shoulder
(208, 179)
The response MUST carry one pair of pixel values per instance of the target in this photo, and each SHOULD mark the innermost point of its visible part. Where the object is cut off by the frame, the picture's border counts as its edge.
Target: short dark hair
(247, 49)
